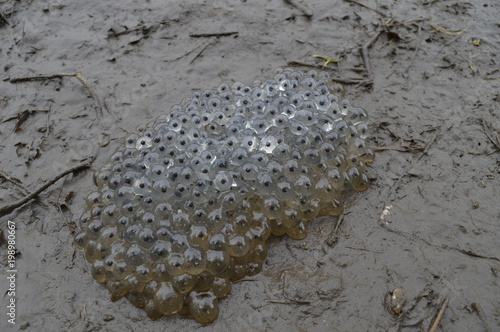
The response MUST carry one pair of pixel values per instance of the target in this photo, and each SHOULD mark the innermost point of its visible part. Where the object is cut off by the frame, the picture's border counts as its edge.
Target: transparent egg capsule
(198, 235)
(203, 307)
(163, 187)
(297, 128)
(238, 246)
(270, 88)
(250, 143)
(223, 181)
(312, 156)
(322, 103)
(301, 141)
(268, 144)
(239, 156)
(264, 183)
(109, 234)
(229, 201)
(303, 185)
(258, 94)
(368, 156)
(291, 169)
(342, 128)
(98, 272)
(183, 283)
(93, 229)
(160, 251)
(92, 199)
(182, 142)
(299, 232)
(243, 101)
(284, 190)
(275, 169)
(194, 261)
(175, 264)
(166, 299)
(271, 207)
(81, 240)
(215, 220)
(146, 238)
(259, 158)
(357, 146)
(281, 152)
(308, 83)
(249, 171)
(220, 287)
(102, 177)
(223, 87)
(327, 151)
(259, 125)
(361, 183)
(208, 156)
(142, 186)
(206, 118)
(281, 121)
(143, 143)
(136, 255)
(214, 104)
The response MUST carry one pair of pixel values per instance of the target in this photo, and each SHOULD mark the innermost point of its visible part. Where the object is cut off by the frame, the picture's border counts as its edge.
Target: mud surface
(429, 224)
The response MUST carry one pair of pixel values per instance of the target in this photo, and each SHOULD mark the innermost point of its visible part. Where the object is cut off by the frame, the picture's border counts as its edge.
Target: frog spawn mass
(186, 206)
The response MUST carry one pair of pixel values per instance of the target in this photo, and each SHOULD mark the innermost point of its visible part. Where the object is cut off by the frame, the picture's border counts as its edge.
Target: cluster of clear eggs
(187, 204)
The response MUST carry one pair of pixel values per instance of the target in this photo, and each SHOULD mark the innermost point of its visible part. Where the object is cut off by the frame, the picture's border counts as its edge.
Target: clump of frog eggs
(187, 204)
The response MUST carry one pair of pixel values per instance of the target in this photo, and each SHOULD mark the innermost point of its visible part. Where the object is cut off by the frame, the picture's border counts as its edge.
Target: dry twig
(364, 54)
(199, 53)
(214, 34)
(300, 6)
(78, 75)
(334, 79)
(479, 311)
(403, 148)
(495, 143)
(11, 207)
(396, 184)
(439, 315)
(448, 31)
(369, 8)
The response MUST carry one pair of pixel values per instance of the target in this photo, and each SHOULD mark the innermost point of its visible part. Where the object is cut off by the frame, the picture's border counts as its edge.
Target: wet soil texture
(418, 249)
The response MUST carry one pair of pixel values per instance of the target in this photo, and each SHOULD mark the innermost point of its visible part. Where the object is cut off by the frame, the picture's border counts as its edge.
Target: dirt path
(428, 225)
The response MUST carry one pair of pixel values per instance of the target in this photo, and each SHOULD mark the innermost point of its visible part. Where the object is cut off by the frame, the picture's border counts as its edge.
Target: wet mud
(421, 241)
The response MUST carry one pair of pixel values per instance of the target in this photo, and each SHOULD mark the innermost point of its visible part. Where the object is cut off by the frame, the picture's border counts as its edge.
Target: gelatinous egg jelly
(187, 204)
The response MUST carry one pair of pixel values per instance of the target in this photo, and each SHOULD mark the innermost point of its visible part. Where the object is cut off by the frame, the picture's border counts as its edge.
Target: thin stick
(334, 79)
(439, 315)
(416, 49)
(14, 180)
(395, 186)
(78, 75)
(364, 54)
(199, 53)
(403, 148)
(424, 151)
(479, 310)
(305, 64)
(496, 144)
(300, 6)
(214, 34)
(446, 45)
(365, 6)
(11, 207)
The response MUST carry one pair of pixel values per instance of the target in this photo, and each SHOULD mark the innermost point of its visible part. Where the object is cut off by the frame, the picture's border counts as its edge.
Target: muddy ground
(429, 224)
